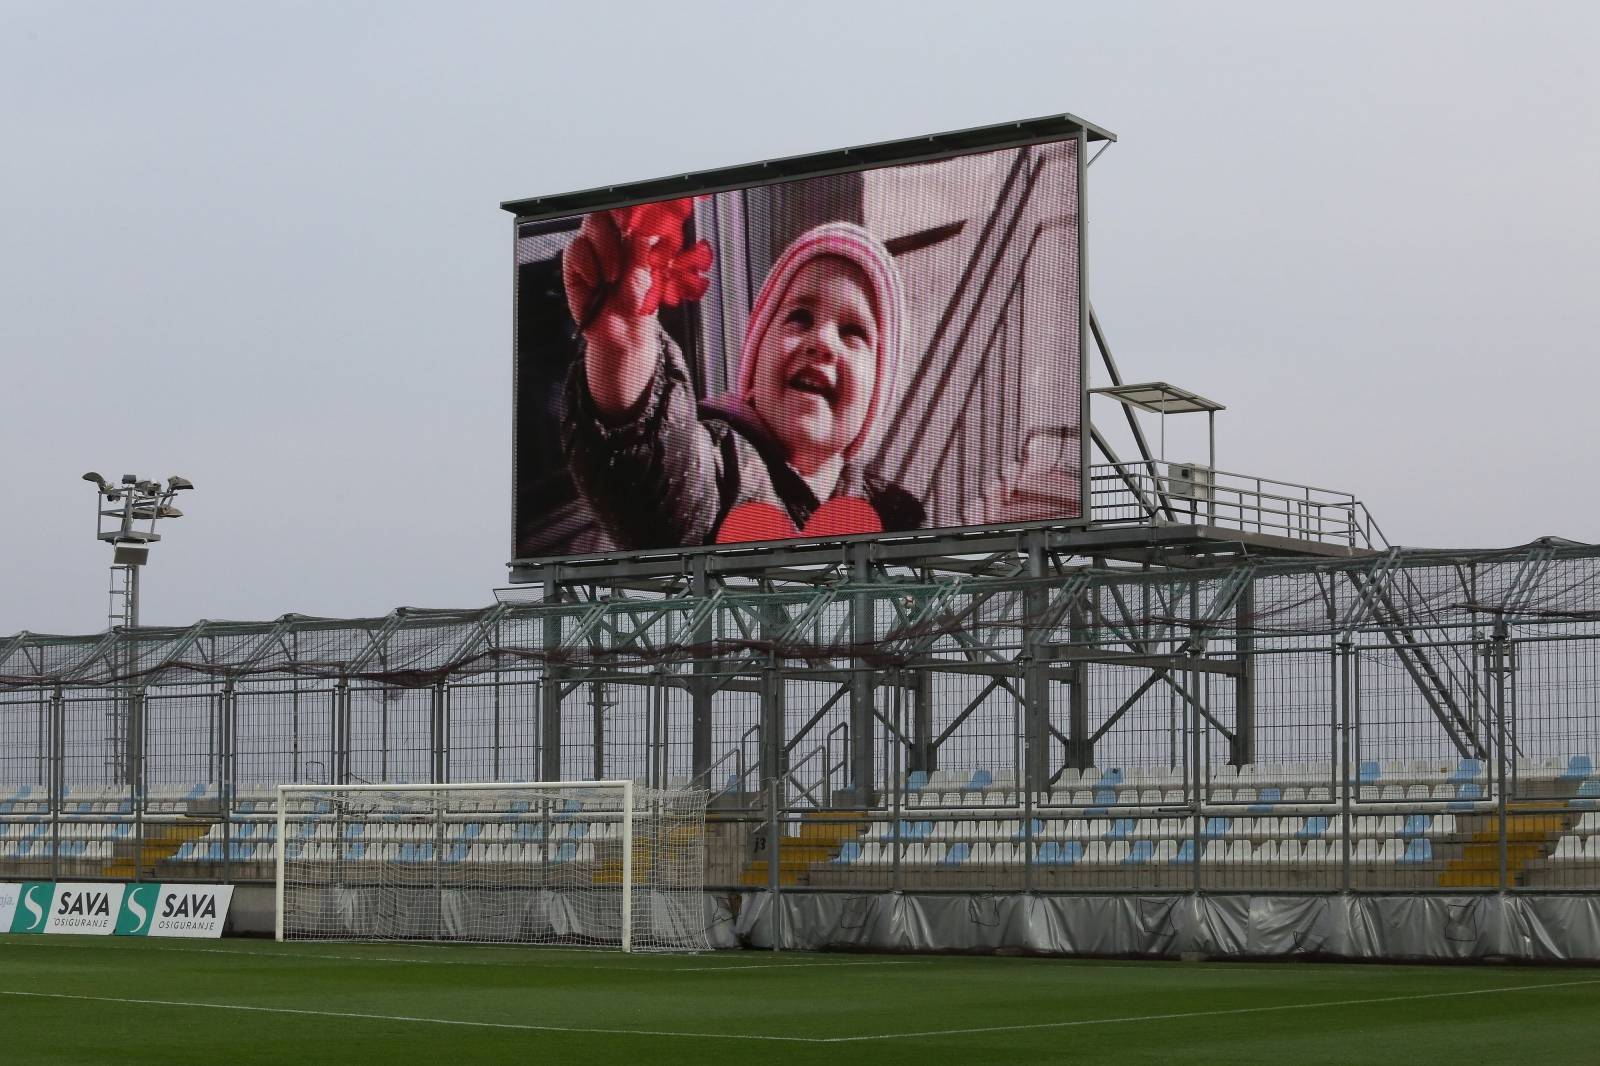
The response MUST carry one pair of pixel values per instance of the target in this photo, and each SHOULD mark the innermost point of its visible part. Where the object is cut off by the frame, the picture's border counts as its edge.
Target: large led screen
(886, 350)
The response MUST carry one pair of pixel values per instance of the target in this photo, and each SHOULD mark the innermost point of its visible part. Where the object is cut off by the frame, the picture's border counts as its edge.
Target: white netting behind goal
(525, 864)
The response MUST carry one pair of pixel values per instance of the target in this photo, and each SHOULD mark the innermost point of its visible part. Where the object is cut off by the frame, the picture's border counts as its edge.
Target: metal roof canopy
(1159, 398)
(840, 161)
(1163, 399)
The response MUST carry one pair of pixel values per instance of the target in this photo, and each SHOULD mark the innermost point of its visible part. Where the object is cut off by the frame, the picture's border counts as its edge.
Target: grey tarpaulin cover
(1526, 927)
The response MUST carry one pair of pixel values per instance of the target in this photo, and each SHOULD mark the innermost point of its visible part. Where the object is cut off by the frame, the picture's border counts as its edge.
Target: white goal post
(575, 863)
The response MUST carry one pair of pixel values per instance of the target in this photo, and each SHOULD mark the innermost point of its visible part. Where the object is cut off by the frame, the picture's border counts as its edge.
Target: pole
(1342, 683)
(438, 867)
(863, 693)
(627, 866)
(1501, 665)
(701, 685)
(774, 881)
(282, 846)
(550, 690)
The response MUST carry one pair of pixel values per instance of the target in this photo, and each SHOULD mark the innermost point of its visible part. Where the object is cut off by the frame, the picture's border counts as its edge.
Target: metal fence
(1406, 722)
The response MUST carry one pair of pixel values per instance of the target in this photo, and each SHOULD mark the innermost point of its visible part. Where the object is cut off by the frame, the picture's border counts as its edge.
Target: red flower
(654, 237)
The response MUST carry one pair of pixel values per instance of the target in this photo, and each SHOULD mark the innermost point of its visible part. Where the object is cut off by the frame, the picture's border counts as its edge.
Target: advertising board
(105, 908)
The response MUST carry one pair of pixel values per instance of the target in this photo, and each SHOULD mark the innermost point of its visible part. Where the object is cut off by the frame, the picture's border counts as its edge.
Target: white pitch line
(518, 1026)
(1202, 1013)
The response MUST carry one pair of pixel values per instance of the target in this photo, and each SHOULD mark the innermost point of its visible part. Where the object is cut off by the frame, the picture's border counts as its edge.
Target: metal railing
(1144, 492)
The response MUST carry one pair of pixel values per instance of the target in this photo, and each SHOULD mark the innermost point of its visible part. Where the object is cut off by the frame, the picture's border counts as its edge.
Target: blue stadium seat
(981, 779)
(567, 852)
(1214, 828)
(1112, 776)
(956, 854)
(1141, 853)
(1035, 824)
(1185, 856)
(917, 781)
(849, 852)
(1579, 766)
(907, 830)
(1121, 829)
(1418, 850)
(1467, 770)
(1053, 853)
(1105, 796)
(1416, 825)
(1367, 772)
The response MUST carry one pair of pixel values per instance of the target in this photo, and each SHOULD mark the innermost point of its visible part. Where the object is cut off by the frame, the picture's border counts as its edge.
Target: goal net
(576, 863)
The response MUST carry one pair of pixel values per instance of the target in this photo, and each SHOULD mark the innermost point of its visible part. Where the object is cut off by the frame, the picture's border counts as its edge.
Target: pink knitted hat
(847, 241)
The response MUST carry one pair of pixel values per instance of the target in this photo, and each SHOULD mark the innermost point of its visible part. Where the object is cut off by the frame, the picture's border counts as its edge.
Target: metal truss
(891, 658)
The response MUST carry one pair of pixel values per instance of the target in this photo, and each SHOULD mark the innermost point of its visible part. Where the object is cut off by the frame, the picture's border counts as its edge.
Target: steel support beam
(917, 685)
(863, 689)
(701, 685)
(1034, 666)
(1080, 741)
(1244, 684)
(439, 730)
(550, 692)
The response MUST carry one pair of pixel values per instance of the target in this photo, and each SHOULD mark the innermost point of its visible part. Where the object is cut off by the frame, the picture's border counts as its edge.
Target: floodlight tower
(125, 518)
(120, 511)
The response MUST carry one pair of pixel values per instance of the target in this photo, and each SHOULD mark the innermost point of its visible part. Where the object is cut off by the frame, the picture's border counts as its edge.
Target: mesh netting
(523, 864)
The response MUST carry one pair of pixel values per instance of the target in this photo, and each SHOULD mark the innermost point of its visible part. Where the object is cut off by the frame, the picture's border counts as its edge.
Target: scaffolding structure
(1042, 690)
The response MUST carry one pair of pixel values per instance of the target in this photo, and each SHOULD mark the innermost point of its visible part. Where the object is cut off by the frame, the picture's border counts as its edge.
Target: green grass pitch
(93, 1000)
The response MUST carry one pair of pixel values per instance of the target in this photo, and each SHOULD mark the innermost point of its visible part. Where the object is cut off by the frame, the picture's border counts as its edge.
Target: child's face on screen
(817, 363)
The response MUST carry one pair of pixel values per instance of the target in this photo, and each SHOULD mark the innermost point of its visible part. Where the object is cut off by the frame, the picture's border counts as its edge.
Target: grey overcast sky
(259, 245)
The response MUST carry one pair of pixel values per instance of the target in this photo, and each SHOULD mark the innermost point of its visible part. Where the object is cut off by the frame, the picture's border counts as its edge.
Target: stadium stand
(1410, 825)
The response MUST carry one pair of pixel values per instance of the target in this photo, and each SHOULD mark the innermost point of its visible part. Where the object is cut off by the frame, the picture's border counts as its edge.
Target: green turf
(391, 1004)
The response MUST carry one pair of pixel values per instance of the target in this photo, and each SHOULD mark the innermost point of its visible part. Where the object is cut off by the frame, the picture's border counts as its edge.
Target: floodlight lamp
(130, 479)
(178, 484)
(129, 553)
(96, 478)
